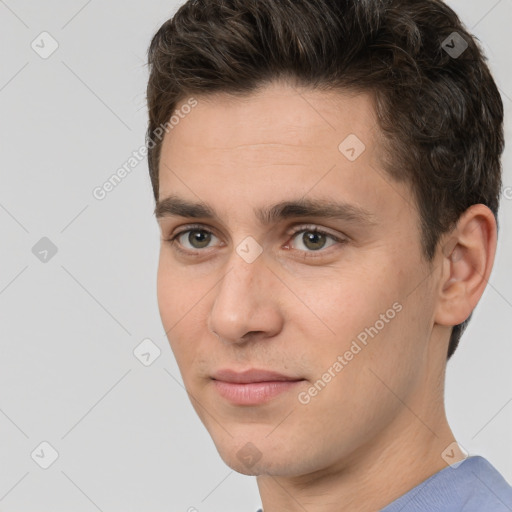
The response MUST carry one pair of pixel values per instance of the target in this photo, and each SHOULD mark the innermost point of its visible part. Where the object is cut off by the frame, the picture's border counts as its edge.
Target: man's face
(344, 314)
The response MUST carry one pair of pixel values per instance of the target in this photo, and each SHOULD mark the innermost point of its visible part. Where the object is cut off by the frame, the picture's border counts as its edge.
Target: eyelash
(303, 229)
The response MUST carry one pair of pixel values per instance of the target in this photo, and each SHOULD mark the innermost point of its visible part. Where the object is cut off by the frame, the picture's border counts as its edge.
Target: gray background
(126, 435)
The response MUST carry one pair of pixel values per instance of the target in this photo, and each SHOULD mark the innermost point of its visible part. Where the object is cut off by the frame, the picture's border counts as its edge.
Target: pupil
(200, 237)
(313, 237)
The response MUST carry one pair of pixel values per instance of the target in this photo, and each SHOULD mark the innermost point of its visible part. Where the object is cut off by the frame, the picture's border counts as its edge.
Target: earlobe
(467, 260)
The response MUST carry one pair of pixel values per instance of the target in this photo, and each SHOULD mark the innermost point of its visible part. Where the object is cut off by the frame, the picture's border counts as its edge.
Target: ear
(467, 259)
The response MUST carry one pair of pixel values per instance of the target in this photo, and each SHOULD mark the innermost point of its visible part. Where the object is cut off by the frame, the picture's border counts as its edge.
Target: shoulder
(474, 485)
(485, 488)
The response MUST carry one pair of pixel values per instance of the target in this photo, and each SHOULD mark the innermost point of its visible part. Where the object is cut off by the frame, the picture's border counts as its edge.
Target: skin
(378, 428)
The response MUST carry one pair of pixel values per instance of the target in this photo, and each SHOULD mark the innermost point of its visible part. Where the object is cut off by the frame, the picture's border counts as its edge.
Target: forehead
(278, 113)
(280, 143)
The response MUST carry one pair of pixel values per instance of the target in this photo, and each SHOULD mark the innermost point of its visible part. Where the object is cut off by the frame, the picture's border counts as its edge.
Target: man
(327, 177)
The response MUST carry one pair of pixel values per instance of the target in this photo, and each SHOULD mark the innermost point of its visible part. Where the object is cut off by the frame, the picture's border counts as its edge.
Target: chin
(262, 457)
(263, 467)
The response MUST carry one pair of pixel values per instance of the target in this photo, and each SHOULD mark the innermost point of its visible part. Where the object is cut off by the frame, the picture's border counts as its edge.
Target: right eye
(192, 240)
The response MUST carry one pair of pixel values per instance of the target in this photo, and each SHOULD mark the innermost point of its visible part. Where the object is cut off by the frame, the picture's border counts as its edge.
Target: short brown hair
(440, 113)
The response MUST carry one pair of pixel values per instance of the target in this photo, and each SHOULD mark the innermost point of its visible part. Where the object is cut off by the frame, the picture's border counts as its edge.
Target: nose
(246, 304)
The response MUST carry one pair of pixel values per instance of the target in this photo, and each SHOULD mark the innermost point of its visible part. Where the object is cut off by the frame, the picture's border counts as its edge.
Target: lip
(252, 375)
(252, 387)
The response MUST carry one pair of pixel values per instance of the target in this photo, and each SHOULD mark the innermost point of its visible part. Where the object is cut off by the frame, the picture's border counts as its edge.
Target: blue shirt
(474, 485)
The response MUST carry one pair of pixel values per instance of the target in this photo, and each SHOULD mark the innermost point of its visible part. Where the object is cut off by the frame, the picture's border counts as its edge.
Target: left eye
(314, 239)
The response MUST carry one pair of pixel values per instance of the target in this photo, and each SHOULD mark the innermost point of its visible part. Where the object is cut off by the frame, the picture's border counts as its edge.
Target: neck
(362, 484)
(402, 456)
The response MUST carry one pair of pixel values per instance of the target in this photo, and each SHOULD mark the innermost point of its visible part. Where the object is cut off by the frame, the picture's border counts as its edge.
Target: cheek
(179, 290)
(340, 302)
(179, 303)
(167, 286)
(382, 333)
(350, 386)
(366, 314)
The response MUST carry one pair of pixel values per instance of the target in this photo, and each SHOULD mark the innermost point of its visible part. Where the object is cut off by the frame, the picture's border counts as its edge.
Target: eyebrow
(174, 206)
